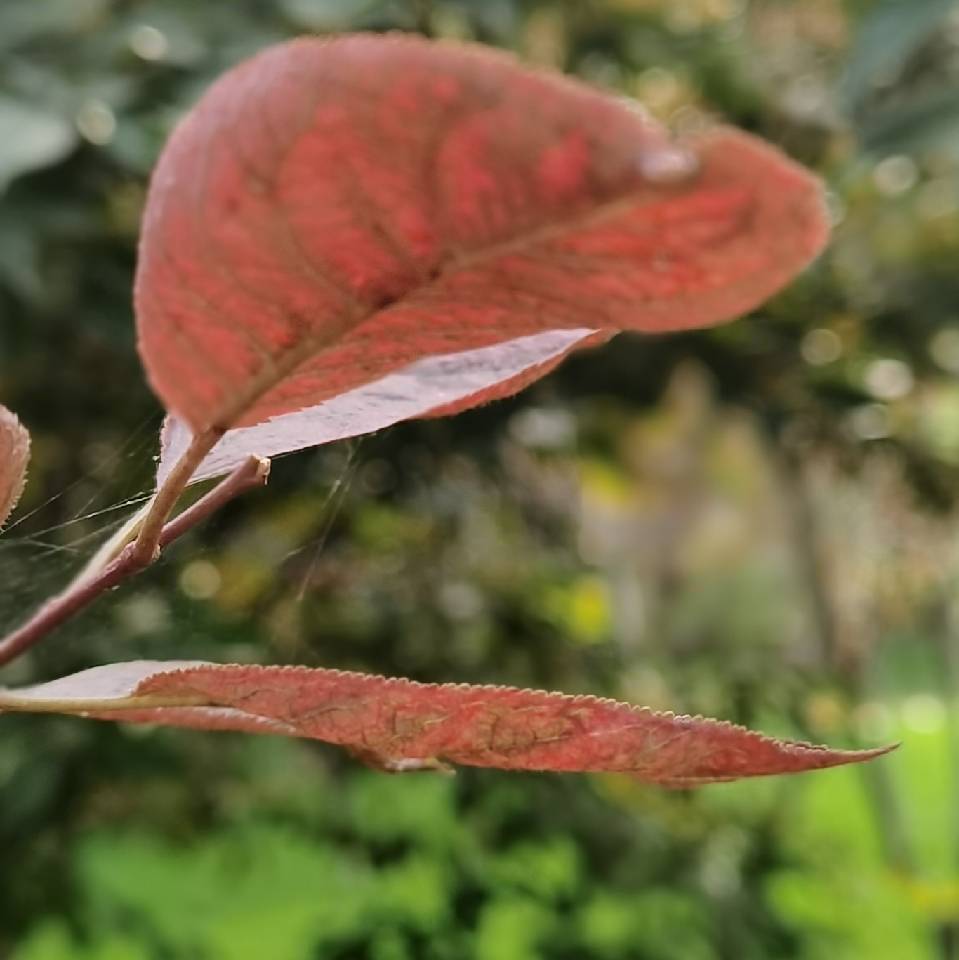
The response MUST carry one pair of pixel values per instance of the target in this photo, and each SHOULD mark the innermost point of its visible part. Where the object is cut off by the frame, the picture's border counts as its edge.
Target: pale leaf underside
(424, 387)
(398, 724)
(14, 458)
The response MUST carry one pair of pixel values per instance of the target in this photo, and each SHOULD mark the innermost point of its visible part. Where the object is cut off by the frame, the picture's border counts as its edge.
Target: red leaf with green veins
(401, 725)
(14, 458)
(334, 216)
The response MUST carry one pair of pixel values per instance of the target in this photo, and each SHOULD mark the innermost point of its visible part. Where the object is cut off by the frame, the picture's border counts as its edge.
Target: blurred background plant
(757, 522)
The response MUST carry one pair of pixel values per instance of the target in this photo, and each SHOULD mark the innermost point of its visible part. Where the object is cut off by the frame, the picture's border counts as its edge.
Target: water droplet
(669, 164)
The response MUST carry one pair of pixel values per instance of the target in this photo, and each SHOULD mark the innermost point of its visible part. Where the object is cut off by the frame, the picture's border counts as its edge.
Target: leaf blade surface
(334, 211)
(402, 724)
(14, 459)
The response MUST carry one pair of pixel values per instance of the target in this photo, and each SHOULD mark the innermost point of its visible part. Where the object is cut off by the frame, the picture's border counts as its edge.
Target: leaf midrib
(285, 363)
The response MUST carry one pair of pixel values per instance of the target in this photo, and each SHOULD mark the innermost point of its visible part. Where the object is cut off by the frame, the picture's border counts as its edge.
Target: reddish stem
(253, 472)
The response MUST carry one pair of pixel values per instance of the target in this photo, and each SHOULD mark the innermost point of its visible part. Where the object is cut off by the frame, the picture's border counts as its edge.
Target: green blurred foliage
(756, 522)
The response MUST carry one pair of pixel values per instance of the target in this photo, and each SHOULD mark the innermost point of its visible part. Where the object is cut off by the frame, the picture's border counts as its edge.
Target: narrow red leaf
(333, 212)
(14, 458)
(399, 724)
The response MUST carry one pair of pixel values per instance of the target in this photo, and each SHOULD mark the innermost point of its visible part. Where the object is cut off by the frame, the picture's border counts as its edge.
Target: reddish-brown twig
(253, 472)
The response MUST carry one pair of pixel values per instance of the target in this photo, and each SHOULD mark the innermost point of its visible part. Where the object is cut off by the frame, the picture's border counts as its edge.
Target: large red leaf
(335, 211)
(402, 725)
(14, 457)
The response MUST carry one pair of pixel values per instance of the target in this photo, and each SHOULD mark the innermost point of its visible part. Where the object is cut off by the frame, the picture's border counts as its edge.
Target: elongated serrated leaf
(400, 725)
(336, 213)
(14, 458)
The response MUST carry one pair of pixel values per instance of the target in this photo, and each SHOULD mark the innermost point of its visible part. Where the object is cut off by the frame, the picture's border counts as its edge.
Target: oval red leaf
(333, 211)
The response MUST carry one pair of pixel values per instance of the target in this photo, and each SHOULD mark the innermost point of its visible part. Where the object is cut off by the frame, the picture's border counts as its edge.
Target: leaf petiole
(148, 543)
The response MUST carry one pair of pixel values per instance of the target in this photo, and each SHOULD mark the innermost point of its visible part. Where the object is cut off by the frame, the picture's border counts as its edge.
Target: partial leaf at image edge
(14, 459)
